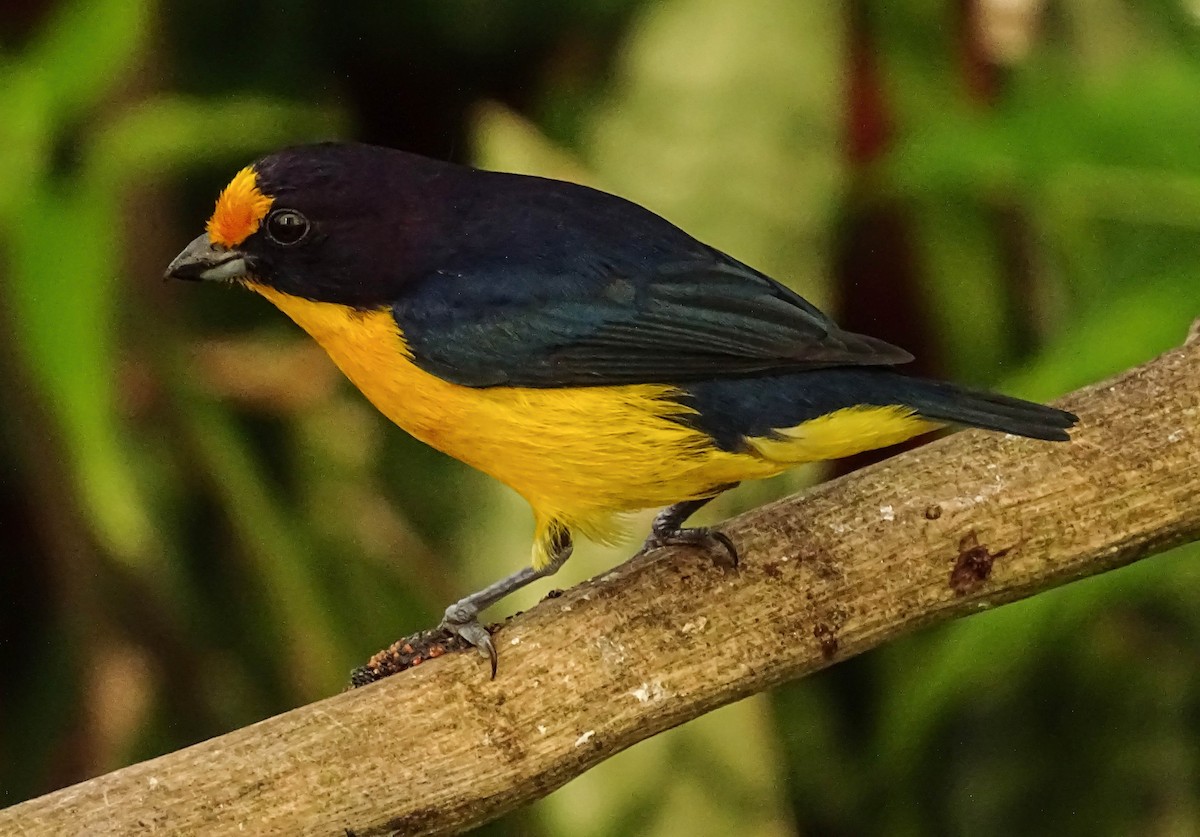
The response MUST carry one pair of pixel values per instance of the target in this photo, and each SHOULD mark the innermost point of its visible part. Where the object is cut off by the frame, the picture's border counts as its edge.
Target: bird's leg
(668, 530)
(462, 617)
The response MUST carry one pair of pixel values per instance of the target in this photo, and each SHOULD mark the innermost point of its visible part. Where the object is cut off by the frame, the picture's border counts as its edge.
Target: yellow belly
(579, 455)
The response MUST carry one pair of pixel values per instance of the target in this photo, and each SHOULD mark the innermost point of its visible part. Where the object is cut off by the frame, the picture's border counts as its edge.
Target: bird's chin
(233, 272)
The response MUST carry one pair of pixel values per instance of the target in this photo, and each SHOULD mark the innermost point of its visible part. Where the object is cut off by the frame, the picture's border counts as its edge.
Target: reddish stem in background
(875, 272)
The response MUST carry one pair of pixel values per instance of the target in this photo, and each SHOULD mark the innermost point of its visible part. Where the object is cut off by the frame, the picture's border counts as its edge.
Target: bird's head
(333, 222)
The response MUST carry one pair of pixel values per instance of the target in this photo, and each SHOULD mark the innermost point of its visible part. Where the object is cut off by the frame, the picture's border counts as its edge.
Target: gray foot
(716, 544)
(462, 619)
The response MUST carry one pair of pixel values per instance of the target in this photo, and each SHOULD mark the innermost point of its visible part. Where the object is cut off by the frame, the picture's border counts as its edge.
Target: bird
(572, 344)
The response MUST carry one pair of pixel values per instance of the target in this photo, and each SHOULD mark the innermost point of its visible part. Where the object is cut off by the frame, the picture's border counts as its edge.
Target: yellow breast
(577, 454)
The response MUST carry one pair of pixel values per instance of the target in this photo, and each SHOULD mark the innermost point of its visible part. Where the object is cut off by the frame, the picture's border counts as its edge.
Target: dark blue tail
(734, 408)
(947, 402)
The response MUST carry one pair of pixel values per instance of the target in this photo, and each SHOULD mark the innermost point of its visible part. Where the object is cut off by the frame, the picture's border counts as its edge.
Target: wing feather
(691, 321)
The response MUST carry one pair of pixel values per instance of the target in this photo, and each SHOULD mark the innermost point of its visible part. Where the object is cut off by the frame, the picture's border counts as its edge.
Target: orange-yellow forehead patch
(240, 210)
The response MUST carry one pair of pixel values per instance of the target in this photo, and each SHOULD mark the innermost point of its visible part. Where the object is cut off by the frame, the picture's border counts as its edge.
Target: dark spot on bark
(826, 636)
(825, 569)
(973, 566)
(413, 822)
(772, 570)
(554, 594)
(933, 512)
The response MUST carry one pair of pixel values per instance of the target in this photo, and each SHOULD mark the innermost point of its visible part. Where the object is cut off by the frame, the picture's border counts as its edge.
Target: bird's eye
(287, 227)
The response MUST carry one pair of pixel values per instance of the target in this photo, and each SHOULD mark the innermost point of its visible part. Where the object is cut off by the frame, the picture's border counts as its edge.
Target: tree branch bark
(968, 522)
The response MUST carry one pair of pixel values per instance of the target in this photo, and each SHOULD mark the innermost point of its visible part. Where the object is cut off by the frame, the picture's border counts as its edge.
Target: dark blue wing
(604, 324)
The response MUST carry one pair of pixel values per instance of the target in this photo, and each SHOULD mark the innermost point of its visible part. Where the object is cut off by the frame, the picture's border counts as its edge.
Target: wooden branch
(970, 521)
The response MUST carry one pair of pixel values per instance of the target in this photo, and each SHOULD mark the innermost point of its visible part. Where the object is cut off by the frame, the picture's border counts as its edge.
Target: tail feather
(732, 410)
(940, 401)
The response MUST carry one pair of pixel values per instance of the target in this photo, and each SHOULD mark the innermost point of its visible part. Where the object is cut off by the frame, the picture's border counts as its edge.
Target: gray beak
(203, 261)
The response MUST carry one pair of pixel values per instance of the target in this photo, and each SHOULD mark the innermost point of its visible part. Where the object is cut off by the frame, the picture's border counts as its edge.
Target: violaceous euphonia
(572, 344)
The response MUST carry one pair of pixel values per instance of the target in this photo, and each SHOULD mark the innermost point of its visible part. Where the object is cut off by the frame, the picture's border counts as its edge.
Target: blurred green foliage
(203, 525)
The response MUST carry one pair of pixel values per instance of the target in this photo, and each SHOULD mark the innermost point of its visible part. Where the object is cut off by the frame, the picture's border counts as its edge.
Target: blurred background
(201, 524)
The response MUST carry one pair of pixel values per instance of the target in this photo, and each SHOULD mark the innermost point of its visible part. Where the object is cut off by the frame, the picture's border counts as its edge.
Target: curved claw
(463, 621)
(717, 544)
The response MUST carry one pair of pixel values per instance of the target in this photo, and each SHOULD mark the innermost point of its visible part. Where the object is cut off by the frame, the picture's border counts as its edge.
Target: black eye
(286, 227)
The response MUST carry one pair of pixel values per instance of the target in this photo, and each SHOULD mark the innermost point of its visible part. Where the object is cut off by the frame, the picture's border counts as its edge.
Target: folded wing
(690, 321)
